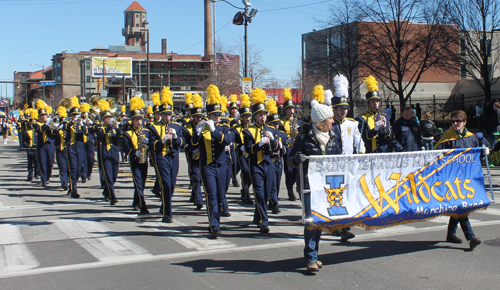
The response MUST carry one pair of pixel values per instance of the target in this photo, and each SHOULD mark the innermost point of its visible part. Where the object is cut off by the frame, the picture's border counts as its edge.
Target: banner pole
(306, 210)
(489, 178)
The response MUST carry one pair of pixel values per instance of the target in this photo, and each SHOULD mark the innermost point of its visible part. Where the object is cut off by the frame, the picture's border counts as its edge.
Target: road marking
(191, 254)
(99, 240)
(14, 254)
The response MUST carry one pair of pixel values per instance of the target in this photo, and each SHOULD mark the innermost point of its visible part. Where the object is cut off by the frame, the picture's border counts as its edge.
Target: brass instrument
(33, 104)
(112, 104)
(170, 147)
(66, 103)
(94, 102)
(143, 147)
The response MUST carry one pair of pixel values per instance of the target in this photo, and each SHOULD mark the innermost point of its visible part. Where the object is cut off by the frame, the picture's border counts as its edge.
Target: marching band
(220, 140)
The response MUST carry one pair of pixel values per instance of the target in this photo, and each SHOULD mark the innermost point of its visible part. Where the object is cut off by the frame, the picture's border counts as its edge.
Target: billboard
(113, 67)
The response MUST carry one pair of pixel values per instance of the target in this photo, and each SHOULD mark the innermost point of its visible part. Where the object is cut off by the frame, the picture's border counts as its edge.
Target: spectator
(429, 131)
(393, 116)
(407, 132)
(418, 110)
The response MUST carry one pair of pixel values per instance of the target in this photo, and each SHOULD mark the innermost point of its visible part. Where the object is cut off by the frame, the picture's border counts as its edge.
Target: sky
(35, 30)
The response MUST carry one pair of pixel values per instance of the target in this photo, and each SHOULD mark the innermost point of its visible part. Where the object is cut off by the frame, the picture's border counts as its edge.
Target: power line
(292, 7)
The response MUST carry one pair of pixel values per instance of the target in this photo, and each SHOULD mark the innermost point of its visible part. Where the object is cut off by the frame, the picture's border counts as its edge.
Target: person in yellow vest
(88, 143)
(45, 143)
(30, 144)
(213, 141)
(155, 122)
(60, 144)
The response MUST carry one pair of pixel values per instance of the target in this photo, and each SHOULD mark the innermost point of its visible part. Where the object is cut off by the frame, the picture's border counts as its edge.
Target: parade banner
(375, 191)
(13, 131)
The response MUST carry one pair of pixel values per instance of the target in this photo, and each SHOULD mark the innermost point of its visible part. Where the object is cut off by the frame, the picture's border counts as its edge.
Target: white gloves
(138, 153)
(289, 140)
(242, 148)
(227, 148)
(236, 115)
(200, 127)
(60, 127)
(281, 145)
(78, 117)
(263, 141)
(211, 125)
(486, 150)
(145, 140)
(173, 133)
(379, 125)
(270, 135)
(166, 138)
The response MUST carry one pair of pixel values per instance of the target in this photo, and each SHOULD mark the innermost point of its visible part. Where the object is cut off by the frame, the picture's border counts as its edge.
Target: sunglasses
(456, 121)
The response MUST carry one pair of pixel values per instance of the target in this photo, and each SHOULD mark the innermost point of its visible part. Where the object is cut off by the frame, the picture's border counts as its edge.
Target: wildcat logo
(335, 195)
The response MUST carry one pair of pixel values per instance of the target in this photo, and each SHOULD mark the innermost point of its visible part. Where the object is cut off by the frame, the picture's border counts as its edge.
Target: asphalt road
(50, 241)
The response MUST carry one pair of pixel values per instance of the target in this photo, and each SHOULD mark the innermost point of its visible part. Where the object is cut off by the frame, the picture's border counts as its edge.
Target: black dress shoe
(276, 209)
(246, 200)
(106, 199)
(454, 239)
(199, 206)
(216, 233)
(292, 198)
(167, 220)
(45, 184)
(346, 235)
(474, 243)
(225, 214)
(90, 177)
(264, 229)
(236, 183)
(84, 180)
(30, 178)
(75, 195)
(65, 187)
(113, 201)
(135, 208)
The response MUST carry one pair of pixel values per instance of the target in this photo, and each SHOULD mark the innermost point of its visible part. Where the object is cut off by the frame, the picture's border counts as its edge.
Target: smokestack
(208, 29)
(164, 46)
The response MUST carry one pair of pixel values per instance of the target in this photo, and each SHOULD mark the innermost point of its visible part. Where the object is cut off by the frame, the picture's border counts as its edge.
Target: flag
(225, 59)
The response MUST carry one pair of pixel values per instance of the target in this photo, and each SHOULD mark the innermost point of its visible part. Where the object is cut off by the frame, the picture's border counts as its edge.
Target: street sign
(246, 85)
(47, 83)
(104, 93)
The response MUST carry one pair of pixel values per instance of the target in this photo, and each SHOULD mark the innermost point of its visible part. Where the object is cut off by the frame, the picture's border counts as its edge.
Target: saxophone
(143, 147)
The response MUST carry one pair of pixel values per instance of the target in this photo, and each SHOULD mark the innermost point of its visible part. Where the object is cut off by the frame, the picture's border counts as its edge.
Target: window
(87, 65)
(192, 78)
(137, 25)
(463, 71)
(421, 90)
(162, 65)
(184, 78)
(87, 79)
(137, 15)
(130, 16)
(192, 65)
(59, 78)
(184, 65)
(462, 46)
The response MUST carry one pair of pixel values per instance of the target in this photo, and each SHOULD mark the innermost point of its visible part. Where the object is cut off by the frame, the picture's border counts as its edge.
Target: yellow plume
(319, 94)
(213, 95)
(75, 103)
(48, 109)
(223, 103)
(136, 103)
(271, 106)
(245, 101)
(123, 108)
(233, 98)
(61, 111)
(85, 108)
(40, 105)
(166, 96)
(103, 105)
(189, 98)
(197, 101)
(258, 96)
(287, 94)
(21, 113)
(156, 99)
(371, 83)
(34, 114)
(149, 110)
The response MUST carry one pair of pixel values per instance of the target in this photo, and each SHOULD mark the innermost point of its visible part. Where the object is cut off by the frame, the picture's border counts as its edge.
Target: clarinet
(170, 147)
(267, 147)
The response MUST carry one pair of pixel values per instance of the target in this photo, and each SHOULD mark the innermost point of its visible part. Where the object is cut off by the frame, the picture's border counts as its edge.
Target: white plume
(341, 85)
(328, 97)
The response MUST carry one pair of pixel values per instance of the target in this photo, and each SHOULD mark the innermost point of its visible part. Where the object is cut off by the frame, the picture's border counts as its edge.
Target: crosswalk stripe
(14, 254)
(98, 240)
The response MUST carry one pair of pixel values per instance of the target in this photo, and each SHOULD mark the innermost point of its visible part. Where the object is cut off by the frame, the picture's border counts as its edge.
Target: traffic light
(99, 83)
(105, 82)
(18, 85)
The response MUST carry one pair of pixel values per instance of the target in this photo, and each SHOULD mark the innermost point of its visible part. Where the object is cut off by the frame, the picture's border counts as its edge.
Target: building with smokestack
(72, 71)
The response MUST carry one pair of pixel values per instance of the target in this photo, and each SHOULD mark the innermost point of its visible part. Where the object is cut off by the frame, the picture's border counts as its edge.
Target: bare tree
(403, 39)
(339, 52)
(478, 22)
(256, 68)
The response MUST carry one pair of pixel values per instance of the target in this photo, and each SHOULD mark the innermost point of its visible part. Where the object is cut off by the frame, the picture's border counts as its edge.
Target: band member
(260, 144)
(30, 143)
(184, 121)
(45, 143)
(60, 144)
(233, 121)
(156, 119)
(149, 116)
(245, 116)
(88, 143)
(346, 129)
(166, 140)
(136, 144)
(274, 121)
(108, 135)
(74, 131)
(290, 125)
(316, 139)
(193, 152)
(374, 127)
(125, 125)
(458, 136)
(224, 121)
(212, 140)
